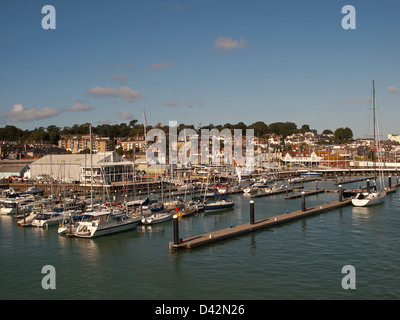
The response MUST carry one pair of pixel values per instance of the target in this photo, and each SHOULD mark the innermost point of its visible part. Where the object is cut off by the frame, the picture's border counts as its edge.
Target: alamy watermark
(212, 147)
(349, 280)
(49, 20)
(49, 280)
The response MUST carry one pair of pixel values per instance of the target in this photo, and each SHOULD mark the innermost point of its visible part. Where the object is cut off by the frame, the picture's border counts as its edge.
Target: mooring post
(368, 184)
(340, 193)
(303, 201)
(251, 211)
(176, 229)
(70, 223)
(390, 182)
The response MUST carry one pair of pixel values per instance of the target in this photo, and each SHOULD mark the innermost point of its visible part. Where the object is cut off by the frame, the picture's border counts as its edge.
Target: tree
(54, 134)
(343, 135)
(132, 123)
(259, 127)
(305, 128)
(284, 129)
(39, 134)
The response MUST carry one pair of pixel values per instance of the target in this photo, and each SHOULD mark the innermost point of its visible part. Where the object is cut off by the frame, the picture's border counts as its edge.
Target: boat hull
(156, 218)
(371, 199)
(92, 230)
(217, 207)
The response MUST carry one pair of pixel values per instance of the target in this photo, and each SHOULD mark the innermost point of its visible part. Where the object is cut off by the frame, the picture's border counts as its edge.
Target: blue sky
(200, 61)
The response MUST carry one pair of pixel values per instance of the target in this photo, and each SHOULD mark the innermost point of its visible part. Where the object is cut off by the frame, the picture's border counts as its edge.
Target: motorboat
(49, 218)
(173, 204)
(27, 220)
(296, 180)
(311, 173)
(274, 188)
(13, 205)
(138, 203)
(29, 207)
(10, 193)
(157, 217)
(250, 190)
(69, 204)
(70, 223)
(106, 222)
(194, 205)
(34, 191)
(222, 190)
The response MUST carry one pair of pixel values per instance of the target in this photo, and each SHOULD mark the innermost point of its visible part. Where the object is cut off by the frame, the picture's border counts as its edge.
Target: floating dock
(306, 193)
(270, 193)
(353, 180)
(228, 233)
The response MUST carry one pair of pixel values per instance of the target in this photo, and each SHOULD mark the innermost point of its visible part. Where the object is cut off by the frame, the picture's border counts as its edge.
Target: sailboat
(371, 196)
(106, 222)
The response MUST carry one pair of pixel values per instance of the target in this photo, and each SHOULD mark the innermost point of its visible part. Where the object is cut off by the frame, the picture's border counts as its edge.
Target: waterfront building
(78, 142)
(13, 168)
(136, 144)
(107, 167)
(394, 137)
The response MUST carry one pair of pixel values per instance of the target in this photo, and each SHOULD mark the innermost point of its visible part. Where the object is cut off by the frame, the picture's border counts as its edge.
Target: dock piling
(176, 229)
(251, 211)
(303, 201)
(340, 193)
(390, 182)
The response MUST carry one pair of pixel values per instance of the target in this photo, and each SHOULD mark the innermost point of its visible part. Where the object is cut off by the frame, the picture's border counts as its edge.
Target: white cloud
(20, 113)
(175, 103)
(120, 78)
(130, 66)
(78, 106)
(358, 100)
(111, 64)
(160, 65)
(125, 115)
(127, 94)
(392, 89)
(226, 44)
(178, 7)
(172, 103)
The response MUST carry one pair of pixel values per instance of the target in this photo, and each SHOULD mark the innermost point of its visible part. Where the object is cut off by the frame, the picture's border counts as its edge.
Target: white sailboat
(371, 196)
(157, 217)
(368, 198)
(106, 222)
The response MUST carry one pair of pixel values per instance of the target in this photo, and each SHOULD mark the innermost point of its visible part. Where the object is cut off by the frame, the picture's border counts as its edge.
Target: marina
(261, 250)
(223, 151)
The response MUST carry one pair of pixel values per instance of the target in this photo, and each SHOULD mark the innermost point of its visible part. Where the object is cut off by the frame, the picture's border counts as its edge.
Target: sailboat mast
(91, 167)
(147, 164)
(374, 112)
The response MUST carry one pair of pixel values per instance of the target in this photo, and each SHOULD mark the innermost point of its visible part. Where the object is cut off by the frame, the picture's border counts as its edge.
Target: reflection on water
(275, 263)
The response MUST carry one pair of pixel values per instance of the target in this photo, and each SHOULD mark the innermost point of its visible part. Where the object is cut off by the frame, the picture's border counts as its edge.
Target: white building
(106, 167)
(394, 137)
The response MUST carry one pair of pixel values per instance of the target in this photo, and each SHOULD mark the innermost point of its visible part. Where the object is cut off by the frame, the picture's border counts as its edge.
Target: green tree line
(53, 133)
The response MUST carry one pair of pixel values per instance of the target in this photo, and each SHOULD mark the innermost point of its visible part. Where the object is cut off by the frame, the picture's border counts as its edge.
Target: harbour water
(299, 260)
